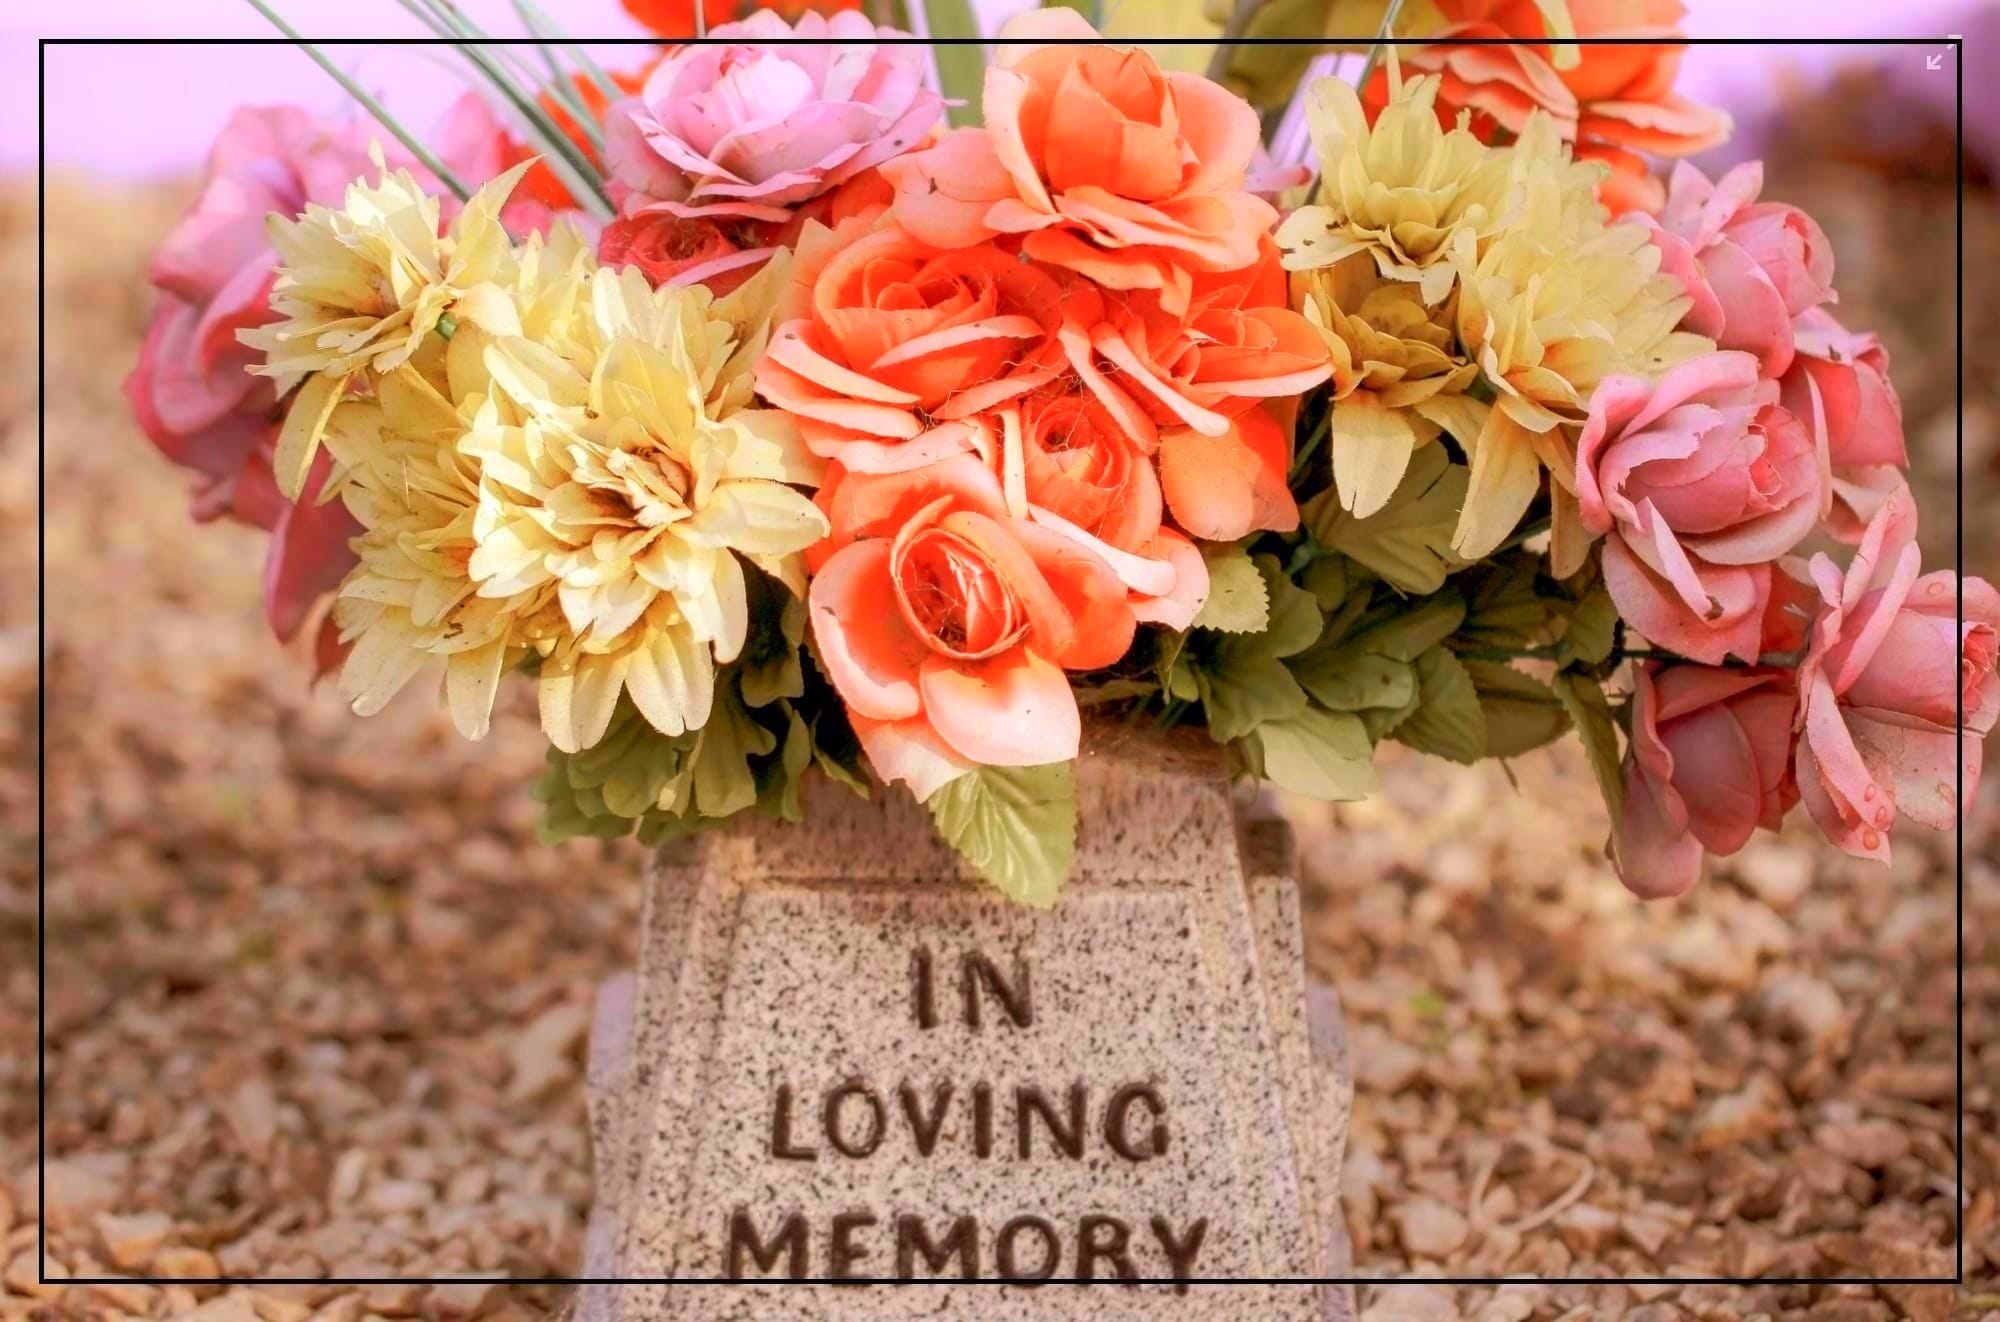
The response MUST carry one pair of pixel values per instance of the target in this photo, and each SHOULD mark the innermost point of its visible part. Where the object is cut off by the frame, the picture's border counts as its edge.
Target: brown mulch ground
(316, 998)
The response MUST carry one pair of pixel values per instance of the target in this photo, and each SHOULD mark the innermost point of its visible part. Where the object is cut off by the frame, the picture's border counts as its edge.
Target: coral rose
(1889, 669)
(1750, 266)
(946, 624)
(1237, 344)
(1106, 165)
(674, 250)
(1838, 384)
(884, 346)
(1710, 761)
(742, 127)
(1702, 480)
(1612, 101)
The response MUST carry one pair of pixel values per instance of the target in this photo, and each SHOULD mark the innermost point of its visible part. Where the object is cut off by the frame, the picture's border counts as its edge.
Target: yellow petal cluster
(1556, 302)
(1501, 295)
(575, 481)
(1406, 192)
(360, 288)
(1393, 356)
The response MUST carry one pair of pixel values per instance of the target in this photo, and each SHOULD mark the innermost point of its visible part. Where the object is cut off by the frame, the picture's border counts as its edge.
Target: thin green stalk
(1319, 434)
(560, 83)
(1375, 51)
(1225, 45)
(546, 28)
(368, 103)
(561, 152)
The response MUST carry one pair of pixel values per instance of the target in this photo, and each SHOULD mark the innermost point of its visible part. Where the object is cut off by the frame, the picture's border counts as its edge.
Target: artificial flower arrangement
(768, 428)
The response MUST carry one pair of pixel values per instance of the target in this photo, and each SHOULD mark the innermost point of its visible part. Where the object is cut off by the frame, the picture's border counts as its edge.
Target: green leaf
(1370, 666)
(1448, 721)
(1295, 617)
(1521, 712)
(1237, 599)
(778, 778)
(1114, 690)
(1321, 754)
(1407, 541)
(1242, 680)
(724, 783)
(1583, 698)
(770, 665)
(837, 752)
(1329, 580)
(1015, 825)
(1245, 692)
(1592, 628)
(1504, 610)
(961, 60)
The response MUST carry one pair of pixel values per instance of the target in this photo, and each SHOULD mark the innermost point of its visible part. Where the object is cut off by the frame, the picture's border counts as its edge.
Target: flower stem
(1319, 433)
(1225, 45)
(368, 103)
(1375, 51)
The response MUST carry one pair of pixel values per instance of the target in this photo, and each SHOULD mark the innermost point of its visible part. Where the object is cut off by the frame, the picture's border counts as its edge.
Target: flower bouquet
(806, 403)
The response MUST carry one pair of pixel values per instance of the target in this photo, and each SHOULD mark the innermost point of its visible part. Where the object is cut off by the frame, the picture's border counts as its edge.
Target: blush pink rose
(1700, 481)
(192, 393)
(1710, 761)
(742, 127)
(1884, 680)
(1750, 266)
(1838, 384)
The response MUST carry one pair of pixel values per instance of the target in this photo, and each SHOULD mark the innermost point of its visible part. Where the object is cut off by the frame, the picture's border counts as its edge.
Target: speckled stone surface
(795, 1086)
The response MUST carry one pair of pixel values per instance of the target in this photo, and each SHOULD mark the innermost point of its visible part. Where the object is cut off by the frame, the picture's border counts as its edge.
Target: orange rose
(1105, 164)
(946, 624)
(884, 345)
(1614, 102)
(1079, 463)
(1238, 343)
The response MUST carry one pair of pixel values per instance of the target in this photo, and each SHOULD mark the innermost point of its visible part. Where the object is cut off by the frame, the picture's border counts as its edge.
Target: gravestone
(843, 1060)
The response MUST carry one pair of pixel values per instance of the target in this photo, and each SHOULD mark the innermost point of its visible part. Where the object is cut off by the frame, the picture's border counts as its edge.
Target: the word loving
(857, 1120)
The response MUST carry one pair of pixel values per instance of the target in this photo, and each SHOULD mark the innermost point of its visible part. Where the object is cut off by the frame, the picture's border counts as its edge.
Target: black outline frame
(1952, 42)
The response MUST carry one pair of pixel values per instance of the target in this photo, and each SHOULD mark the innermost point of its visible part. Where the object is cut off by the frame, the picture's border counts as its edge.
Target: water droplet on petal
(1883, 817)
(1937, 589)
(1946, 792)
(1870, 793)
(1870, 840)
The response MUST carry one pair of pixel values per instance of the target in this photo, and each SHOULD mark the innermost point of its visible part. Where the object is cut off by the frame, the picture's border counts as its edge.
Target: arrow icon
(1934, 61)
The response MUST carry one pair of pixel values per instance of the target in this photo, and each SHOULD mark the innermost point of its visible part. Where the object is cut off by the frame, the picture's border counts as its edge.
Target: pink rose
(1883, 681)
(1839, 386)
(1710, 761)
(1702, 480)
(753, 130)
(1750, 266)
(191, 391)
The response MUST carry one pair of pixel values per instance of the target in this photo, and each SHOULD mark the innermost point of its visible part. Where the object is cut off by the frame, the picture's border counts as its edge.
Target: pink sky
(153, 109)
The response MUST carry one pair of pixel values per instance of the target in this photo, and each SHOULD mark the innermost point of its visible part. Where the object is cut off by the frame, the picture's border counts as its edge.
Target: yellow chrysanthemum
(634, 493)
(1550, 307)
(1392, 356)
(1405, 192)
(583, 487)
(360, 288)
(1524, 298)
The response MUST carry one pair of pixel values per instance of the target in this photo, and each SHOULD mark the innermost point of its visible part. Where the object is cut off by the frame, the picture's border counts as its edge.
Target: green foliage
(1015, 825)
(1242, 679)
(1583, 698)
(1448, 720)
(1521, 712)
(1408, 541)
(1238, 601)
(770, 663)
(1320, 754)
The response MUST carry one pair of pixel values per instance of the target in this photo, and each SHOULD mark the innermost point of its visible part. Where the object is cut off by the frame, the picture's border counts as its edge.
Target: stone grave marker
(843, 1060)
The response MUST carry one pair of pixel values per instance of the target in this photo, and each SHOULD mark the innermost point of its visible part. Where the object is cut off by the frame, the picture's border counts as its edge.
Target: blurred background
(316, 998)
